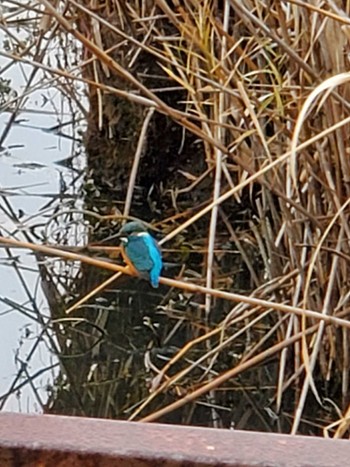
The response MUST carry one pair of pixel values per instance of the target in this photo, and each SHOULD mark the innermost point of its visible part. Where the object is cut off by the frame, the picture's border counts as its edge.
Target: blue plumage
(142, 250)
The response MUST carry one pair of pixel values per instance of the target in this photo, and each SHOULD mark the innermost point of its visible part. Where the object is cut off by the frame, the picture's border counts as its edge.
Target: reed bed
(225, 126)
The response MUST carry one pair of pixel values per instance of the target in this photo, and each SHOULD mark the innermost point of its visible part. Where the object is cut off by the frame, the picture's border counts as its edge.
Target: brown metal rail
(47, 440)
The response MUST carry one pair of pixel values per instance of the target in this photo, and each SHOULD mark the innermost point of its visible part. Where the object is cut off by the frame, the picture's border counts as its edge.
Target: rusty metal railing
(48, 440)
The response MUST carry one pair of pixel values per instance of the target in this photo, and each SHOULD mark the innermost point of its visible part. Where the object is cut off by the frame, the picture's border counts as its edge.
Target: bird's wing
(138, 252)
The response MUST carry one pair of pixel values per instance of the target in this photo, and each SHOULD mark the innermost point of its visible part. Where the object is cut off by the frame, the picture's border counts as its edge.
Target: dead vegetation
(225, 125)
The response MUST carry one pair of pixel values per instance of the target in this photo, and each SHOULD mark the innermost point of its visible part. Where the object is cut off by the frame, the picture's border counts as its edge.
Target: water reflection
(41, 163)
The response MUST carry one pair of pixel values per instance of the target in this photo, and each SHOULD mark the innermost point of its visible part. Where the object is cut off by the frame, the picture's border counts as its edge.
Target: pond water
(41, 165)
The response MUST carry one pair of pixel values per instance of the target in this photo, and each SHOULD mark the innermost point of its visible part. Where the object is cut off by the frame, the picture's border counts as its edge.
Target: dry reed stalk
(242, 85)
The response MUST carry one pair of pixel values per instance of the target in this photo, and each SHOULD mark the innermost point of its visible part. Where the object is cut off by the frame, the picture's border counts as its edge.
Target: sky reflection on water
(30, 182)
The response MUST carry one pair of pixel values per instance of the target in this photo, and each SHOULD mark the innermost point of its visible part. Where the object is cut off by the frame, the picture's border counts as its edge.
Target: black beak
(117, 236)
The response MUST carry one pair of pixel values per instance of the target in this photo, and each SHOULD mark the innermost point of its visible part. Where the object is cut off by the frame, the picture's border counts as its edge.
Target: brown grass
(261, 90)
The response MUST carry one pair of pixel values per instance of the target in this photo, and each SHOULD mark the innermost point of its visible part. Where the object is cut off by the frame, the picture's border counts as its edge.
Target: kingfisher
(141, 251)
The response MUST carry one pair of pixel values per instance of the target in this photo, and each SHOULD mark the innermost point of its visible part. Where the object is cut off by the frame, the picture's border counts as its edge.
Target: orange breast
(128, 262)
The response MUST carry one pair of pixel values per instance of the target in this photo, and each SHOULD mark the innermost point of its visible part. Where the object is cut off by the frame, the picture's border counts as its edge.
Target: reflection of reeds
(252, 196)
(22, 46)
